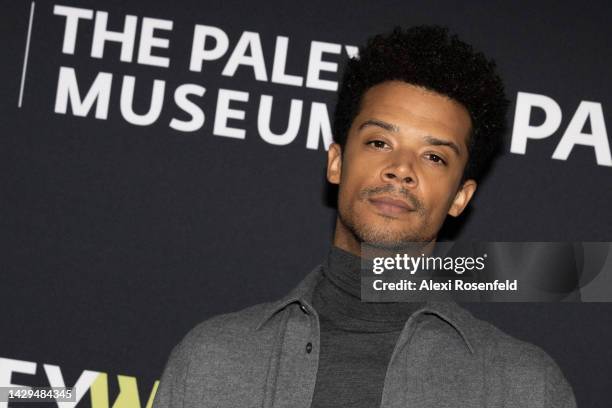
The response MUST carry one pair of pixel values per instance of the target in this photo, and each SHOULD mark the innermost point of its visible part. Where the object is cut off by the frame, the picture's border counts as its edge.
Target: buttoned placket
(292, 372)
(397, 382)
(295, 368)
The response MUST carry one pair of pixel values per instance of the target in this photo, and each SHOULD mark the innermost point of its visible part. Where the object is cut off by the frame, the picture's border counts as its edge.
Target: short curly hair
(427, 56)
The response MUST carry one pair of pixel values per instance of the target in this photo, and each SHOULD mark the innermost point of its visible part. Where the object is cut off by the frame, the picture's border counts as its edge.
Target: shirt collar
(301, 294)
(449, 311)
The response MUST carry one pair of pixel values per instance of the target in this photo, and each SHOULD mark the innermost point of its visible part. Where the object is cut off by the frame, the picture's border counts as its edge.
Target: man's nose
(400, 171)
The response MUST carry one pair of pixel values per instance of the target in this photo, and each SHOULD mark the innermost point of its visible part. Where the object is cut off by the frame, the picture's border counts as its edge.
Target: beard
(380, 236)
(383, 234)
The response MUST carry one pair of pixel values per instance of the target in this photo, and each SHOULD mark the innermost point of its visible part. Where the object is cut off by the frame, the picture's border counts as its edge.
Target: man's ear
(462, 198)
(334, 163)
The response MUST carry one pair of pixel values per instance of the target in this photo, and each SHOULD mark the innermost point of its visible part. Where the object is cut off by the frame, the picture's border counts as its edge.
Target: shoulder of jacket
(222, 333)
(231, 324)
(504, 350)
(520, 362)
(221, 347)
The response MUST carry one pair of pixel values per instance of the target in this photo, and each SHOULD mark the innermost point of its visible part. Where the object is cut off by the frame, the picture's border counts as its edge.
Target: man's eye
(435, 158)
(379, 144)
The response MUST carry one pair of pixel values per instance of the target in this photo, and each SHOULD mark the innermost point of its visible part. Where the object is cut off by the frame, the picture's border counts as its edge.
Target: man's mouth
(391, 206)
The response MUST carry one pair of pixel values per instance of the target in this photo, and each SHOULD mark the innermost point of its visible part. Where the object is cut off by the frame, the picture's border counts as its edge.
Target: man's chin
(387, 239)
(383, 235)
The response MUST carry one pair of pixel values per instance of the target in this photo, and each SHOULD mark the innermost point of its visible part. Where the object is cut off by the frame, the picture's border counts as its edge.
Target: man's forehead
(409, 108)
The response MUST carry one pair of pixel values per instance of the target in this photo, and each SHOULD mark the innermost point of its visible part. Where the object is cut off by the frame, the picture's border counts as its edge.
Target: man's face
(400, 172)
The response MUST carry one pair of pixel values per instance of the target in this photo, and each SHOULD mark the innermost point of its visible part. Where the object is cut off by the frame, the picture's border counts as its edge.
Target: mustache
(391, 190)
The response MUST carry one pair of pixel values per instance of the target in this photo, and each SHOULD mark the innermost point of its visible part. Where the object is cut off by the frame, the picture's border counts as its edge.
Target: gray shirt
(267, 356)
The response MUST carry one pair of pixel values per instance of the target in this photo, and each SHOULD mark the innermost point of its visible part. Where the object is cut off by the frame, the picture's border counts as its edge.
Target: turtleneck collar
(337, 298)
(343, 269)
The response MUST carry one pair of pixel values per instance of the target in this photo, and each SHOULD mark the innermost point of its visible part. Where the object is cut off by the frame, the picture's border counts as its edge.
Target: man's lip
(388, 201)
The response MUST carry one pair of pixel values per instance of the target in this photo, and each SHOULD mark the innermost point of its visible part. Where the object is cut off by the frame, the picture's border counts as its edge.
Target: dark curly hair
(429, 57)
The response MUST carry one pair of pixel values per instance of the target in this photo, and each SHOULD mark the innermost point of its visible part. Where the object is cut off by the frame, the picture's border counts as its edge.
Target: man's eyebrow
(434, 141)
(375, 122)
(431, 140)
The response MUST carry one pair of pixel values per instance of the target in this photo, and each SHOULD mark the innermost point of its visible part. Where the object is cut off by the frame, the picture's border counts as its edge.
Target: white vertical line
(25, 57)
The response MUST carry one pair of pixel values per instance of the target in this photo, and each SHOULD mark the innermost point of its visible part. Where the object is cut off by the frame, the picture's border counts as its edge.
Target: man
(418, 119)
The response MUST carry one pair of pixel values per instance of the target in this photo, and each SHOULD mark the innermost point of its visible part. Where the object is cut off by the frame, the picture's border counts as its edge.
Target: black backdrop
(118, 238)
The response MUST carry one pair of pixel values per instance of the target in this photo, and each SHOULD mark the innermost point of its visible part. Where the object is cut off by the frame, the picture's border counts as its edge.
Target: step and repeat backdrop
(164, 162)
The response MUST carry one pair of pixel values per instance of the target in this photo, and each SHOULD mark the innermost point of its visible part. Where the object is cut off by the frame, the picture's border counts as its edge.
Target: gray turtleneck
(357, 338)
